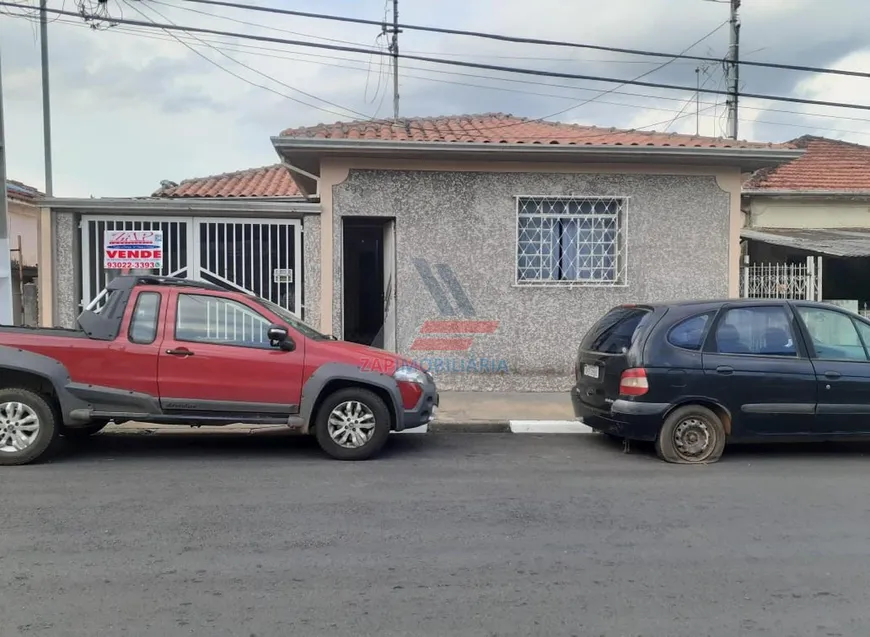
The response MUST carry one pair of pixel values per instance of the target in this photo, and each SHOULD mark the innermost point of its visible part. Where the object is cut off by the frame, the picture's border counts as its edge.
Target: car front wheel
(28, 426)
(352, 424)
(691, 435)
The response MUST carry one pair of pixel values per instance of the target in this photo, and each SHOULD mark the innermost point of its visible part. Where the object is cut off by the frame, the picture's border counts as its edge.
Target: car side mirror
(278, 336)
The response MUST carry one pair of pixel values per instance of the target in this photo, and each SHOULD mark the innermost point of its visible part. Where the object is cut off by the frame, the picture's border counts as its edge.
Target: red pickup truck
(173, 351)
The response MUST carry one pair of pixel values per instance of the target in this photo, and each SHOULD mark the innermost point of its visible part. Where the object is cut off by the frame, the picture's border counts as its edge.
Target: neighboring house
(23, 222)
(807, 225)
(479, 241)
(23, 230)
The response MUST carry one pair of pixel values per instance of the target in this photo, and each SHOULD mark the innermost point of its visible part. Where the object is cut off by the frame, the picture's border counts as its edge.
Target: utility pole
(46, 97)
(733, 70)
(5, 255)
(394, 49)
(697, 101)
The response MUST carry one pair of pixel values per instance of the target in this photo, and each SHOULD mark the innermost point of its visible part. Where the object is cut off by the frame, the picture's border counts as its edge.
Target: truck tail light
(633, 382)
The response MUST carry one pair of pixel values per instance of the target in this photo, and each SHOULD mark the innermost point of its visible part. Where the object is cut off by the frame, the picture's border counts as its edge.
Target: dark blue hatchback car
(692, 376)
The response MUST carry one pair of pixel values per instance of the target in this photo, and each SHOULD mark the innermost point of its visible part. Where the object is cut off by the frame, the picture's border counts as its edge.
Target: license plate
(591, 371)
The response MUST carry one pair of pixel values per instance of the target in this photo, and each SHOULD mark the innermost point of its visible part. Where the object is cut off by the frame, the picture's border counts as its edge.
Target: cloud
(132, 106)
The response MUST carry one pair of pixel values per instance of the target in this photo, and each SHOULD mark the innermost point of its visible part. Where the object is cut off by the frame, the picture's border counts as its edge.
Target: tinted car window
(759, 331)
(614, 332)
(833, 334)
(689, 333)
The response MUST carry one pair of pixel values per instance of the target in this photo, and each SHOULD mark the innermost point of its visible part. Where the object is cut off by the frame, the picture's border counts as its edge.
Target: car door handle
(724, 369)
(181, 351)
(832, 374)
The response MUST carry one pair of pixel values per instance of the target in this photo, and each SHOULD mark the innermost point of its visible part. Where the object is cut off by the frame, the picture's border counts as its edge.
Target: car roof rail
(128, 281)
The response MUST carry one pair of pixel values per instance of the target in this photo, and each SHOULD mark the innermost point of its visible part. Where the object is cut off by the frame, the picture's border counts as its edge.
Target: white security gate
(798, 281)
(261, 256)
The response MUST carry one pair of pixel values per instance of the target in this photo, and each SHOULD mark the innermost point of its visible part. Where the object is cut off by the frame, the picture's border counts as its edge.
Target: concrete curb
(436, 427)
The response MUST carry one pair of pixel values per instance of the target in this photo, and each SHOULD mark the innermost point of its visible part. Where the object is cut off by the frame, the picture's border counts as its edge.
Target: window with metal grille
(571, 240)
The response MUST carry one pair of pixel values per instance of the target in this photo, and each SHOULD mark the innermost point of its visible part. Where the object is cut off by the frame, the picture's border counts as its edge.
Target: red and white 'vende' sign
(133, 250)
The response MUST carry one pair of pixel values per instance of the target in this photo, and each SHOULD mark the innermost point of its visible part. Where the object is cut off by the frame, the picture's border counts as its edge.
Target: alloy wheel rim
(351, 424)
(19, 427)
(693, 439)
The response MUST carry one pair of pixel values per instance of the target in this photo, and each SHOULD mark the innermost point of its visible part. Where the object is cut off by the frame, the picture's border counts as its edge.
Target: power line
(250, 68)
(636, 79)
(490, 67)
(253, 49)
(521, 40)
(269, 27)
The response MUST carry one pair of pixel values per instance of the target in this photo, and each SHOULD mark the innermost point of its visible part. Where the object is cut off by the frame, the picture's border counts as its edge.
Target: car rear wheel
(28, 427)
(691, 435)
(352, 424)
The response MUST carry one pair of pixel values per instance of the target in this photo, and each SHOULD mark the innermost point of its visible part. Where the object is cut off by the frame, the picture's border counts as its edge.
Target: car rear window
(613, 333)
(690, 333)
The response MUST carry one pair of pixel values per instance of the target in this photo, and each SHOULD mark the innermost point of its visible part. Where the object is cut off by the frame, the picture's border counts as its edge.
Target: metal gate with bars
(799, 281)
(260, 256)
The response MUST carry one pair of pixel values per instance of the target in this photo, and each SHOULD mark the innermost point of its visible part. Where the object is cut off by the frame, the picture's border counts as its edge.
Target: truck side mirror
(278, 336)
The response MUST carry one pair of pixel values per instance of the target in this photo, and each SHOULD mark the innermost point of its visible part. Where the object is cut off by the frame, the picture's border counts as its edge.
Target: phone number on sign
(134, 265)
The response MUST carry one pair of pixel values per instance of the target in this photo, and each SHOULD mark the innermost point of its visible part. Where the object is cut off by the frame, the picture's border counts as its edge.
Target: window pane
(689, 334)
(143, 323)
(223, 321)
(762, 331)
(864, 331)
(833, 334)
(565, 239)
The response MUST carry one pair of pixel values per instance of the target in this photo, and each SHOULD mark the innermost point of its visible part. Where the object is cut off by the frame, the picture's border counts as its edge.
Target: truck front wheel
(352, 424)
(28, 426)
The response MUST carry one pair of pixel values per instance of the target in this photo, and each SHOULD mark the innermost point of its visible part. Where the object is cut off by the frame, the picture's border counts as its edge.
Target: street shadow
(180, 446)
(744, 452)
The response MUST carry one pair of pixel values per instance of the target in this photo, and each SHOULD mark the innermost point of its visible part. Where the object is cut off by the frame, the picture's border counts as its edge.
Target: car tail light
(633, 382)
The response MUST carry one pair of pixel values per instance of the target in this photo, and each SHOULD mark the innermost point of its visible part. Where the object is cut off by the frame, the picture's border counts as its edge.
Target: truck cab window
(213, 319)
(143, 323)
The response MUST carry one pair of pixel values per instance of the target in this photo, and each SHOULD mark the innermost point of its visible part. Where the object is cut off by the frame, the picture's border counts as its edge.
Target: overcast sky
(132, 106)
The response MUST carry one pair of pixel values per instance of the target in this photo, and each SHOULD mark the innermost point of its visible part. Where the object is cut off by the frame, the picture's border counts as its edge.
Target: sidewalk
(458, 411)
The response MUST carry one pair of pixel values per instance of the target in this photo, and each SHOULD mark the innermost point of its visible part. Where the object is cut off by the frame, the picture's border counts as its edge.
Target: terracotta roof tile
(268, 181)
(827, 164)
(499, 128)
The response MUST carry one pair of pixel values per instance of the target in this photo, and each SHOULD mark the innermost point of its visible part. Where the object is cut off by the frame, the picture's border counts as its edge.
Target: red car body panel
(216, 377)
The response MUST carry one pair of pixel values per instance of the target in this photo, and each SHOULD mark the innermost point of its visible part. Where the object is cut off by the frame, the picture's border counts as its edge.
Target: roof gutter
(748, 157)
(242, 206)
(761, 192)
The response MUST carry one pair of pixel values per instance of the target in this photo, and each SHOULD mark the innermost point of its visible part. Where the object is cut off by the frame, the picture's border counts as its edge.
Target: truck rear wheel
(28, 427)
(352, 424)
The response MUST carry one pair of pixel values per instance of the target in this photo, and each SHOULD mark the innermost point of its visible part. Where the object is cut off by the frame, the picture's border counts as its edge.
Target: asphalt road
(446, 535)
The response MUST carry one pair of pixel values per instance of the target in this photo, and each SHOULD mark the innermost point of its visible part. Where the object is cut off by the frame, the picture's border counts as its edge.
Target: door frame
(390, 295)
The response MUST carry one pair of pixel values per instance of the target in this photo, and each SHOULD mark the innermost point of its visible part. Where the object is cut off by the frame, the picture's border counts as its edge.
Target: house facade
(482, 246)
(807, 225)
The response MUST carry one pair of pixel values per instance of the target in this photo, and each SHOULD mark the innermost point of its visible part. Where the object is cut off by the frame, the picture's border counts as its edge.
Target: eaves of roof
(747, 159)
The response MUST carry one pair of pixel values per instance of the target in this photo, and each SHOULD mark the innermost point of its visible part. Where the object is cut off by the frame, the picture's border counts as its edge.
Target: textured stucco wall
(311, 269)
(677, 234)
(66, 266)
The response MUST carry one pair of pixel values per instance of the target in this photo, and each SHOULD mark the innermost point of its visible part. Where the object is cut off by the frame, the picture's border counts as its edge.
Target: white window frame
(621, 279)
